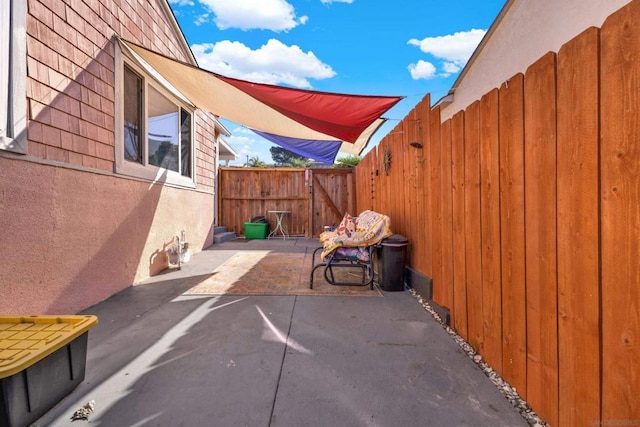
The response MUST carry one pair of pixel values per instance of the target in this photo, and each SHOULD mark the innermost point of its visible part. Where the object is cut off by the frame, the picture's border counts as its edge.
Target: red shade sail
(288, 112)
(342, 116)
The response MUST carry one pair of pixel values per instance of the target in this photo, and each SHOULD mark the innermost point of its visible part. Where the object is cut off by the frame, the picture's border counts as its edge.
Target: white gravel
(504, 387)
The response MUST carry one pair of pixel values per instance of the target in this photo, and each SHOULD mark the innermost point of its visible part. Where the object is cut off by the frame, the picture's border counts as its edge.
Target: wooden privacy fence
(524, 209)
(315, 197)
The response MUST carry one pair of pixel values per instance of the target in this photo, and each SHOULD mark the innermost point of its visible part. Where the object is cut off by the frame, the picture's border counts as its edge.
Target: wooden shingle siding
(71, 84)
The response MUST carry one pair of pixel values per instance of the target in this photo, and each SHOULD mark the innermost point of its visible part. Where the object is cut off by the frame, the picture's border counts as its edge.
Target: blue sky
(370, 47)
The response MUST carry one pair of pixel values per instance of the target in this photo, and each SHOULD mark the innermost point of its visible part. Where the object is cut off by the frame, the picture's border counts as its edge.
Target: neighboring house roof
(523, 32)
(226, 152)
(220, 128)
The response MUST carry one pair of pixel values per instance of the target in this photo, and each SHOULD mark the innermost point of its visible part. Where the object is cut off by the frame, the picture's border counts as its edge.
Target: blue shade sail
(318, 150)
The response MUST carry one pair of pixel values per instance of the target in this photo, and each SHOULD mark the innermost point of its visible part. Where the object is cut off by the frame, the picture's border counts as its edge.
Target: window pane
(163, 138)
(185, 142)
(132, 115)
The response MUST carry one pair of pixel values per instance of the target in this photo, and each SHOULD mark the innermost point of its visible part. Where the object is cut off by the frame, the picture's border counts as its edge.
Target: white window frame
(145, 170)
(13, 74)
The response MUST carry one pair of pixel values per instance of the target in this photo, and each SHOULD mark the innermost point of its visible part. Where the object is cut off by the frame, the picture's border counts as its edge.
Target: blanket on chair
(368, 228)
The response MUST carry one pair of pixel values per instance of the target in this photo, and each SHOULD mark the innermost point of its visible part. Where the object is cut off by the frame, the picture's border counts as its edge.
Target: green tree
(255, 162)
(349, 161)
(298, 163)
(283, 157)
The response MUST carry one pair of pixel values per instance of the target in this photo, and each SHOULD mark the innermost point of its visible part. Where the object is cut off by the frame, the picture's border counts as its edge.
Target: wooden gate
(332, 194)
(315, 197)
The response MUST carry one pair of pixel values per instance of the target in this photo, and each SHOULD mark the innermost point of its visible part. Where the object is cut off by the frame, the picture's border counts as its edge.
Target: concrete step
(219, 229)
(223, 237)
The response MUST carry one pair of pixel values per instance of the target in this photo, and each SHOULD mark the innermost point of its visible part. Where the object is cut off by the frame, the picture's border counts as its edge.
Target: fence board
(417, 241)
(578, 267)
(373, 162)
(472, 228)
(436, 204)
(385, 179)
(620, 190)
(459, 314)
(365, 182)
(397, 182)
(377, 171)
(540, 229)
(410, 177)
(422, 136)
(428, 193)
(490, 227)
(514, 316)
(446, 296)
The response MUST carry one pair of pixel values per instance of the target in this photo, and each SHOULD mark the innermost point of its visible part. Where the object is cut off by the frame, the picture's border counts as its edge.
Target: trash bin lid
(395, 240)
(258, 219)
(25, 340)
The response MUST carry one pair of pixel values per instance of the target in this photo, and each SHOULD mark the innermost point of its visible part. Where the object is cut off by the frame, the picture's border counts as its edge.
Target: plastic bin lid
(395, 240)
(25, 340)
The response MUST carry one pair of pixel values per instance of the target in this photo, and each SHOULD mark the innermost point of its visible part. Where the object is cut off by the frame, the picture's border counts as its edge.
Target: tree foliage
(349, 161)
(299, 163)
(283, 157)
(255, 162)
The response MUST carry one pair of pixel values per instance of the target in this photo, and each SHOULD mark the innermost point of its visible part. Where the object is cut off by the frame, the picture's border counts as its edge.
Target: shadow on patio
(161, 357)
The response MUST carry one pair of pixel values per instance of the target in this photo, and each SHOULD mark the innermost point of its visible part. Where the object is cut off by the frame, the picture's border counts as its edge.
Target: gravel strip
(505, 388)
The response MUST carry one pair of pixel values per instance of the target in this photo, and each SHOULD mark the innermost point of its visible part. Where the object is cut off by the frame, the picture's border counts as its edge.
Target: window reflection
(132, 115)
(163, 134)
(185, 135)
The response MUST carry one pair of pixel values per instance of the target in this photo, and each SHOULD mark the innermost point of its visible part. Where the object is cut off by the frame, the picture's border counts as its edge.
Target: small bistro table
(279, 228)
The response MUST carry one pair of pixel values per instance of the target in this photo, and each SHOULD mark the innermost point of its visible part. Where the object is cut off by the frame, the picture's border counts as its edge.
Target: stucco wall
(72, 238)
(75, 232)
(527, 30)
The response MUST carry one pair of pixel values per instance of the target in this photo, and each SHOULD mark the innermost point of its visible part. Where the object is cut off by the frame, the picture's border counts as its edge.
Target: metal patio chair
(360, 257)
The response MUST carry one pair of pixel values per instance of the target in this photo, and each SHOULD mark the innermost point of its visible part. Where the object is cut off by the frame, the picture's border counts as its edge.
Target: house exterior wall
(75, 231)
(524, 32)
(75, 238)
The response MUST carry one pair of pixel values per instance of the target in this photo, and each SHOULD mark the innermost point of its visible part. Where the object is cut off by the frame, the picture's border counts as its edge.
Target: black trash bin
(390, 265)
(260, 219)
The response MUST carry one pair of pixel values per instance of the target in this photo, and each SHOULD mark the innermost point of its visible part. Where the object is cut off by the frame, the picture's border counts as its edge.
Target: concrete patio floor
(160, 358)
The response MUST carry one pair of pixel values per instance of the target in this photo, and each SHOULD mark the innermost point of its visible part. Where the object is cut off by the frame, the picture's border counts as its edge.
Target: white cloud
(422, 70)
(182, 2)
(454, 49)
(246, 143)
(451, 67)
(243, 142)
(201, 19)
(272, 63)
(274, 15)
(242, 130)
